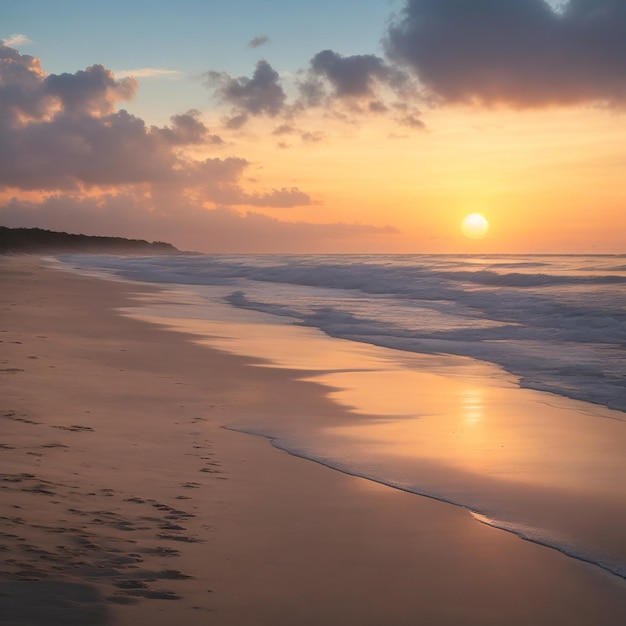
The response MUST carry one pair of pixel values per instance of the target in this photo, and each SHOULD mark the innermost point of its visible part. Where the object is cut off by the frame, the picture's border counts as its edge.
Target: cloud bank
(520, 53)
(219, 230)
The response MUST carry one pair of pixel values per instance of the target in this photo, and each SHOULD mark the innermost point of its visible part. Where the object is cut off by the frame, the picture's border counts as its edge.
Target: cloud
(258, 41)
(351, 76)
(412, 121)
(91, 92)
(68, 153)
(21, 87)
(281, 198)
(260, 95)
(285, 129)
(15, 40)
(216, 230)
(521, 53)
(359, 85)
(187, 129)
(343, 86)
(312, 137)
(29, 95)
(148, 72)
(406, 114)
(305, 136)
(63, 133)
(218, 180)
(236, 121)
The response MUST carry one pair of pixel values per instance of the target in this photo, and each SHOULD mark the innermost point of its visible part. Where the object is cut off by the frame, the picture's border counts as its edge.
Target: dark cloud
(521, 53)
(313, 92)
(62, 132)
(22, 94)
(66, 152)
(28, 94)
(260, 95)
(187, 129)
(258, 41)
(376, 106)
(352, 76)
(93, 91)
(360, 84)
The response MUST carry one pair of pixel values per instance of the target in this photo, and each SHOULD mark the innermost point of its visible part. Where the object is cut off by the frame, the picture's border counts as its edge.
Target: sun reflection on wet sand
(472, 406)
(479, 425)
(452, 427)
(456, 411)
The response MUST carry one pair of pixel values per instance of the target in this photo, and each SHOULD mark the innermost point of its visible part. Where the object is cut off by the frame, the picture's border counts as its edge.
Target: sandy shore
(125, 502)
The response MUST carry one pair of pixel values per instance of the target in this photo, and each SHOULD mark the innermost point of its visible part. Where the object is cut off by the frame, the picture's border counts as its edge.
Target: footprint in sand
(75, 428)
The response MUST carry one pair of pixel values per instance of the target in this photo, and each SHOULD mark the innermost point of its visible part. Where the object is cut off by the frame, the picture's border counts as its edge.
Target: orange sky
(546, 180)
(383, 146)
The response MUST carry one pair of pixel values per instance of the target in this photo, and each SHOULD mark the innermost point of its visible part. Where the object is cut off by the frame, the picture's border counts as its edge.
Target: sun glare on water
(474, 226)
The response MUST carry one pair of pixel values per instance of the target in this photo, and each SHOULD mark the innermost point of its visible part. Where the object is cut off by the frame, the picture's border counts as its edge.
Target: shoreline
(143, 487)
(544, 467)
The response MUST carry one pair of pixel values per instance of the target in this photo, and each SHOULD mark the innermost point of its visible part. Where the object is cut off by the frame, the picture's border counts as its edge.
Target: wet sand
(124, 501)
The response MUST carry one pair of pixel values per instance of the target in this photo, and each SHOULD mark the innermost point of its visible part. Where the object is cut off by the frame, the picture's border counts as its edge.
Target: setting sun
(474, 226)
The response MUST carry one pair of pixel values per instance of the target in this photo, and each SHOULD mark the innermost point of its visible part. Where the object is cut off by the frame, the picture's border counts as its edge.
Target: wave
(531, 280)
(560, 329)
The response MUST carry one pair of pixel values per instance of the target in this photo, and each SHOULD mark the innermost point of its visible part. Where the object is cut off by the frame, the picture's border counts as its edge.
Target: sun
(474, 226)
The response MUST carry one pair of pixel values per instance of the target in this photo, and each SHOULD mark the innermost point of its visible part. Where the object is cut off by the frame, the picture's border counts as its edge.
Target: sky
(360, 126)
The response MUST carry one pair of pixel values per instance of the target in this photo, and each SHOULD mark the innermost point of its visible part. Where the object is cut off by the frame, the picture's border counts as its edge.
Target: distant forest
(34, 240)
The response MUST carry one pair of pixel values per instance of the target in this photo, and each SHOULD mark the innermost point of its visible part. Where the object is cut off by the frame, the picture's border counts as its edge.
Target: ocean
(497, 383)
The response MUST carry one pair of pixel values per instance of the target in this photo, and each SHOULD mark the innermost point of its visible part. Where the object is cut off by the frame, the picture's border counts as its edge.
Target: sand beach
(124, 500)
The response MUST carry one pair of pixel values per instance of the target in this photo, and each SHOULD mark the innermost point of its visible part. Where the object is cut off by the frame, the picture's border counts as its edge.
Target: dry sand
(123, 501)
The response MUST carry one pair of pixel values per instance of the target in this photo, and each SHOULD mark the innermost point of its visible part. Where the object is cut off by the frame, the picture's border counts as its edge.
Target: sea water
(494, 382)
(557, 322)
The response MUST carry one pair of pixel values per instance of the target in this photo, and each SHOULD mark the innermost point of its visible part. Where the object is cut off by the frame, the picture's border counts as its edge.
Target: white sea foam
(559, 323)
